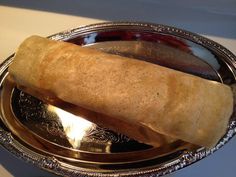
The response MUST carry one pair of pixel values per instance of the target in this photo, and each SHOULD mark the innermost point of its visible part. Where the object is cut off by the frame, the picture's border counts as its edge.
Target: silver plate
(38, 133)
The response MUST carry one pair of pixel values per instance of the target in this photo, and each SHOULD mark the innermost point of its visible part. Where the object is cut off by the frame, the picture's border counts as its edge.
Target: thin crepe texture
(135, 92)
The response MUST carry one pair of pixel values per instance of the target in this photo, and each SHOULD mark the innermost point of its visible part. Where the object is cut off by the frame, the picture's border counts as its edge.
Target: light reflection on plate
(74, 127)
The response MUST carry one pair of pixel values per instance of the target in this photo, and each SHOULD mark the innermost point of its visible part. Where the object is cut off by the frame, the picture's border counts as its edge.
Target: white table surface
(213, 19)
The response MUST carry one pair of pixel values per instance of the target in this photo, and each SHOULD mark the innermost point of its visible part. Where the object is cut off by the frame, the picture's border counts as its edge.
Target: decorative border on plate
(56, 166)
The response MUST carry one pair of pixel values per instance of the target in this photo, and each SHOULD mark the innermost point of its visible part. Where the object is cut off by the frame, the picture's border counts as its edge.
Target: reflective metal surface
(69, 145)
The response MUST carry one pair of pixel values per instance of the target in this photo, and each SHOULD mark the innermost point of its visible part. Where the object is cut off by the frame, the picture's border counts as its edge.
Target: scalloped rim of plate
(54, 165)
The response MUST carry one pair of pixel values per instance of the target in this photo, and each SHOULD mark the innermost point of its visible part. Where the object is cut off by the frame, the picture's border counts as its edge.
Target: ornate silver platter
(69, 145)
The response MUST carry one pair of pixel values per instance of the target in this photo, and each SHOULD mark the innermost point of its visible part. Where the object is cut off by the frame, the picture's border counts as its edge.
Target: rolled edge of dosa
(166, 101)
(142, 133)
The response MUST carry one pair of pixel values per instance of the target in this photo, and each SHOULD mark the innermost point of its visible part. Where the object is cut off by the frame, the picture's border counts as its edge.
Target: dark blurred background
(209, 17)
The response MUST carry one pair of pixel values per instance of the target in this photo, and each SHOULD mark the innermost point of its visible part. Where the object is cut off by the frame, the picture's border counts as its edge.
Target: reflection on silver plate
(69, 145)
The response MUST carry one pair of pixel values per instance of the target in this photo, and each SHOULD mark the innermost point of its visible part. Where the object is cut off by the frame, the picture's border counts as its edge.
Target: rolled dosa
(163, 100)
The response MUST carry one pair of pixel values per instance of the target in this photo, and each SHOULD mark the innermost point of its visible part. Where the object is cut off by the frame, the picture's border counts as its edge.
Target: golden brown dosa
(135, 92)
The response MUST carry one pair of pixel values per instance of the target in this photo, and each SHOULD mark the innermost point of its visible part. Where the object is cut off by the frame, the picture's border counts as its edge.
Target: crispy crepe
(149, 97)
